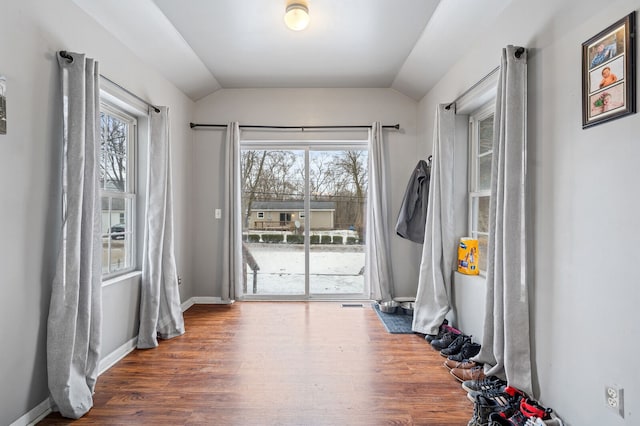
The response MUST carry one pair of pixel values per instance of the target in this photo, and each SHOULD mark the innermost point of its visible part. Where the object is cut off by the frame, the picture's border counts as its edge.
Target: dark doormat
(394, 323)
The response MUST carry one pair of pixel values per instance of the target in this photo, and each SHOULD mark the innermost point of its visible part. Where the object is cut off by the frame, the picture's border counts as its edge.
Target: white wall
(585, 318)
(298, 107)
(31, 32)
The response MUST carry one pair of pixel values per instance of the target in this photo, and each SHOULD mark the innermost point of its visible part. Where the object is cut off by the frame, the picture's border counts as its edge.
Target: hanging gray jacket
(413, 211)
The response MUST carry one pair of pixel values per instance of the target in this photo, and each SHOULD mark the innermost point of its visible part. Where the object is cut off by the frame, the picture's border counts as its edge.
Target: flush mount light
(297, 16)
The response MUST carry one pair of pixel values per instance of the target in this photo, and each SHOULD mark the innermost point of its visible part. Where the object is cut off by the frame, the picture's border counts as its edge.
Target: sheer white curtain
(505, 343)
(232, 240)
(439, 248)
(160, 310)
(378, 252)
(73, 328)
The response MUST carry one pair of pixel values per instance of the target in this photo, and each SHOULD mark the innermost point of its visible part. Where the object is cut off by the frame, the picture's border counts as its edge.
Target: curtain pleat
(232, 240)
(506, 344)
(378, 249)
(439, 248)
(160, 310)
(75, 312)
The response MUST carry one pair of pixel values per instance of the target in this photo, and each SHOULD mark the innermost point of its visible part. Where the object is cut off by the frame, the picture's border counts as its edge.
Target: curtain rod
(519, 52)
(302, 128)
(69, 58)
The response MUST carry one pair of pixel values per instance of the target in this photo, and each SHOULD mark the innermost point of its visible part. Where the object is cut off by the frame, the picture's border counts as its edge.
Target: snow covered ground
(333, 269)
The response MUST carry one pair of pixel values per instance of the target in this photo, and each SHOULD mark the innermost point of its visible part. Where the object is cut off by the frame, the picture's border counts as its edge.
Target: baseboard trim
(36, 414)
(110, 360)
(42, 410)
(202, 300)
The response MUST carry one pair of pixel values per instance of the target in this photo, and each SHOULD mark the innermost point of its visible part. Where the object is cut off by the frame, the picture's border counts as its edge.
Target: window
(260, 215)
(117, 189)
(481, 154)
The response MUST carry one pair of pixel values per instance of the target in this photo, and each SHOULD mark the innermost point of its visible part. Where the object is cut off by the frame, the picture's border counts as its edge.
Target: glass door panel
(273, 242)
(337, 189)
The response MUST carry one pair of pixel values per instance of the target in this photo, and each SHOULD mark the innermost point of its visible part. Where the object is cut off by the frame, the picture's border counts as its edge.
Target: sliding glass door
(303, 207)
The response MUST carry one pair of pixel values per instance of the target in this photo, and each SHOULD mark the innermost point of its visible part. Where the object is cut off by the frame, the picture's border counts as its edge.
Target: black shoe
(431, 337)
(445, 341)
(455, 346)
(441, 331)
(468, 350)
(488, 382)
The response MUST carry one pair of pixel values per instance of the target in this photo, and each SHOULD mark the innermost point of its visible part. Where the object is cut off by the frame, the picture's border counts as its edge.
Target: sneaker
(531, 408)
(489, 392)
(465, 363)
(463, 374)
(456, 345)
(467, 351)
(515, 419)
(524, 409)
(483, 408)
(445, 341)
(485, 383)
(507, 396)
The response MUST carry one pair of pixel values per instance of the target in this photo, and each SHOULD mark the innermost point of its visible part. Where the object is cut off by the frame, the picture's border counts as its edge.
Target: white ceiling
(204, 45)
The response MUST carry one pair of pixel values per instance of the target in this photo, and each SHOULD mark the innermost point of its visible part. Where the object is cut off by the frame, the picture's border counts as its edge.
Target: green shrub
(314, 239)
(337, 239)
(326, 239)
(272, 238)
(295, 239)
(352, 240)
(254, 238)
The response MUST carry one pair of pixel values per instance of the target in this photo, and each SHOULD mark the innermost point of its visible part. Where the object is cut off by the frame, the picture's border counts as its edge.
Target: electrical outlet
(179, 280)
(218, 213)
(614, 397)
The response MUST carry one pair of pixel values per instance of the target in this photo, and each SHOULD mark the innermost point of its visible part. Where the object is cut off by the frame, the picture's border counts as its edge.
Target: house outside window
(481, 155)
(117, 189)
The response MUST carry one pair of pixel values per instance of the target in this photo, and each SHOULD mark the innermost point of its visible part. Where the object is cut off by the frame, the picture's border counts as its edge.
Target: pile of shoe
(498, 404)
(495, 402)
(458, 348)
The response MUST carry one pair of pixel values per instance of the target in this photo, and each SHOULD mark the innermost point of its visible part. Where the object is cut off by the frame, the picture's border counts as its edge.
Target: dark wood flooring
(286, 363)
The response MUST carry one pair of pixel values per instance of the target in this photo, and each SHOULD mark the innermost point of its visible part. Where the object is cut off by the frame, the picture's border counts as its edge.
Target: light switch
(218, 213)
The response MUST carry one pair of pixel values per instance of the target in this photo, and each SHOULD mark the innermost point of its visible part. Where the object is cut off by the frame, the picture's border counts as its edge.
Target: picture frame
(3, 105)
(608, 73)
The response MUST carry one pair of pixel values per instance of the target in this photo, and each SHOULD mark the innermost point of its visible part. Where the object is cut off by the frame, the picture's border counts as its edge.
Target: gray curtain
(378, 250)
(160, 310)
(505, 343)
(232, 239)
(73, 328)
(439, 248)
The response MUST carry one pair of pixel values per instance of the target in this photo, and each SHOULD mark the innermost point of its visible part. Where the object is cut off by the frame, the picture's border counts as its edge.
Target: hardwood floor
(286, 363)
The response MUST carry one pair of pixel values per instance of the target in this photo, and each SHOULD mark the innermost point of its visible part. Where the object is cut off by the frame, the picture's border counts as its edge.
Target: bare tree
(251, 169)
(333, 176)
(353, 167)
(322, 175)
(113, 152)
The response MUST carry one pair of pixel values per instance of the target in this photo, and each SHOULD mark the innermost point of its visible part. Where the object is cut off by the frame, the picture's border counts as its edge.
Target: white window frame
(475, 194)
(129, 194)
(260, 215)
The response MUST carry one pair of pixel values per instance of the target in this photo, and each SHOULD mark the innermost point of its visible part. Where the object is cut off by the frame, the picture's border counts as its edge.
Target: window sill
(120, 278)
(481, 276)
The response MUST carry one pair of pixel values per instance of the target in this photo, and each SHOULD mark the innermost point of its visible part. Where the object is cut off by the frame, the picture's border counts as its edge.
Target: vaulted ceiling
(205, 45)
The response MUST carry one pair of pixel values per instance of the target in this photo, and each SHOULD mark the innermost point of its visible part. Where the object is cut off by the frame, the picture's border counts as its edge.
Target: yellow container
(468, 256)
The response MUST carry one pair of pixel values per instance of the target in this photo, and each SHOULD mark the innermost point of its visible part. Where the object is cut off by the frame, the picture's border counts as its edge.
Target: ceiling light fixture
(297, 16)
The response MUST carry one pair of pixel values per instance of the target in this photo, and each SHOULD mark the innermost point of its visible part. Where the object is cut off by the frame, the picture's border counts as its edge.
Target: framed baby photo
(608, 73)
